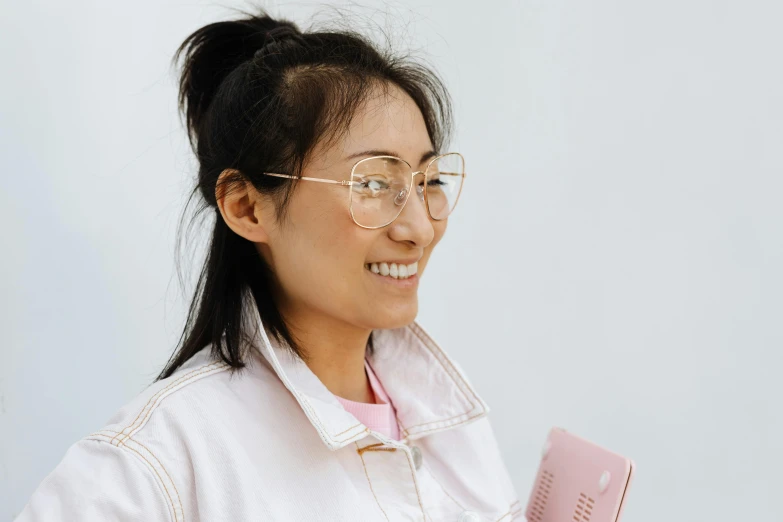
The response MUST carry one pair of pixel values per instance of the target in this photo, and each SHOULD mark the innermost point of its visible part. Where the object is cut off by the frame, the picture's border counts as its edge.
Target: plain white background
(614, 266)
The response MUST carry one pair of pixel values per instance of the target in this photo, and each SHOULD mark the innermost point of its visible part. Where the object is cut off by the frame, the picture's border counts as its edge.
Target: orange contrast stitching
(375, 447)
(369, 482)
(514, 514)
(420, 432)
(404, 434)
(216, 369)
(316, 420)
(428, 341)
(407, 430)
(320, 427)
(410, 467)
(155, 396)
(171, 502)
(179, 499)
(349, 429)
(432, 346)
(511, 511)
(160, 392)
(415, 484)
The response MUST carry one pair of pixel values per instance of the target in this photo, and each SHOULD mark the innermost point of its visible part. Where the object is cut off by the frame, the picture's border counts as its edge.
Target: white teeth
(393, 269)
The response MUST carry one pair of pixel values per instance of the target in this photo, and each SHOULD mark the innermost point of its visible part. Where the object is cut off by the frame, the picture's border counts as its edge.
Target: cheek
(321, 248)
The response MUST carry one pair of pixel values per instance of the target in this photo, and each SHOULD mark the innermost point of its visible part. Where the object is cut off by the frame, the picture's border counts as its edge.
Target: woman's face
(320, 256)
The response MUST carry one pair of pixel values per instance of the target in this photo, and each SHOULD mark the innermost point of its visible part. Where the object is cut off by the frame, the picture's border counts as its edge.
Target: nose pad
(420, 188)
(399, 199)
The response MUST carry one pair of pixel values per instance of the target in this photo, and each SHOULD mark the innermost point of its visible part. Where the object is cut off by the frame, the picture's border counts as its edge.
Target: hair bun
(276, 36)
(282, 31)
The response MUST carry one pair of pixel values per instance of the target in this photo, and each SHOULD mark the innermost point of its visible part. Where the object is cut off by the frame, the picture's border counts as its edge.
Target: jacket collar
(427, 388)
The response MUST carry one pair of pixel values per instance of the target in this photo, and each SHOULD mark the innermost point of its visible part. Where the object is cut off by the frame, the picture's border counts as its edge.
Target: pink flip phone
(578, 481)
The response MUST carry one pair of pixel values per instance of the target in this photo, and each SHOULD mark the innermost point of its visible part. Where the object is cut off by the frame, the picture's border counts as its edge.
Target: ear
(241, 206)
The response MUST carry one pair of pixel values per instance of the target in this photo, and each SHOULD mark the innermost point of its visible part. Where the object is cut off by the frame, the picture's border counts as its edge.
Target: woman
(302, 388)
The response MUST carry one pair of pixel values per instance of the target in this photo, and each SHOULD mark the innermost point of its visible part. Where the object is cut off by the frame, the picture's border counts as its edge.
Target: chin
(396, 318)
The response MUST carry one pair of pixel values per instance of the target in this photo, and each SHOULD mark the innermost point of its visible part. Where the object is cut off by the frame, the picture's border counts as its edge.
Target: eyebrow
(378, 152)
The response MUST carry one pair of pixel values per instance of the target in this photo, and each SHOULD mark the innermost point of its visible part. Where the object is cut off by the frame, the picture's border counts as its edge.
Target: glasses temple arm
(320, 180)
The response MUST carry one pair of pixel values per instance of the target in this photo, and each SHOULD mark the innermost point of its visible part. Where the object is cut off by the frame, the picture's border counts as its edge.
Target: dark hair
(257, 94)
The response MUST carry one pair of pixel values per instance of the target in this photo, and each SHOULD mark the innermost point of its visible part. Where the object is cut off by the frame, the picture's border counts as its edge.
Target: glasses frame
(350, 182)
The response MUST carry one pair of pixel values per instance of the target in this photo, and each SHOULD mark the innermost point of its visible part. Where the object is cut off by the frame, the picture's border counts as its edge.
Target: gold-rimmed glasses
(380, 187)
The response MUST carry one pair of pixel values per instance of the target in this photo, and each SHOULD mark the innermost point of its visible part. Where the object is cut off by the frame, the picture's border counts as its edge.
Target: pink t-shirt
(381, 416)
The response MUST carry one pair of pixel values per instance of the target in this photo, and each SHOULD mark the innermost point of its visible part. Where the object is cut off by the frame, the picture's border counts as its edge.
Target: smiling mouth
(393, 270)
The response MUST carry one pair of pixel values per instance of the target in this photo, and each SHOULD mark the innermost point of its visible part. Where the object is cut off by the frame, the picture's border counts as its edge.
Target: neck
(335, 353)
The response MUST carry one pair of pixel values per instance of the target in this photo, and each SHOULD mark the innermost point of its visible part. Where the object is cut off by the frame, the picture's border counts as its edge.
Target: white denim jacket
(271, 443)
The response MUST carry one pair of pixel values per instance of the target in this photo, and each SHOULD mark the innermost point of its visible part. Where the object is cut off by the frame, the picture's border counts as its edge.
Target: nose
(413, 225)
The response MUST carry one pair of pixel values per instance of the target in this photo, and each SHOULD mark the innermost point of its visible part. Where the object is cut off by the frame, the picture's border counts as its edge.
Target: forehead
(388, 120)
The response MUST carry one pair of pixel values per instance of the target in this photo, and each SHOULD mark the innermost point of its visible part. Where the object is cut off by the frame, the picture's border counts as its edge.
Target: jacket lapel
(427, 388)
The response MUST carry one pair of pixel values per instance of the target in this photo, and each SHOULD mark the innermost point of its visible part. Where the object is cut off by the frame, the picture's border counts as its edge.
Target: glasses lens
(379, 190)
(444, 183)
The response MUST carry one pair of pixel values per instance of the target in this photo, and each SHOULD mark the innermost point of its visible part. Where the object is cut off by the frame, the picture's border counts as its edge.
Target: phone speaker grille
(584, 508)
(541, 497)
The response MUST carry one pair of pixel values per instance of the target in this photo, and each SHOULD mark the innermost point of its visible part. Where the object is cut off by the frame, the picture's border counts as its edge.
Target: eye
(372, 186)
(375, 184)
